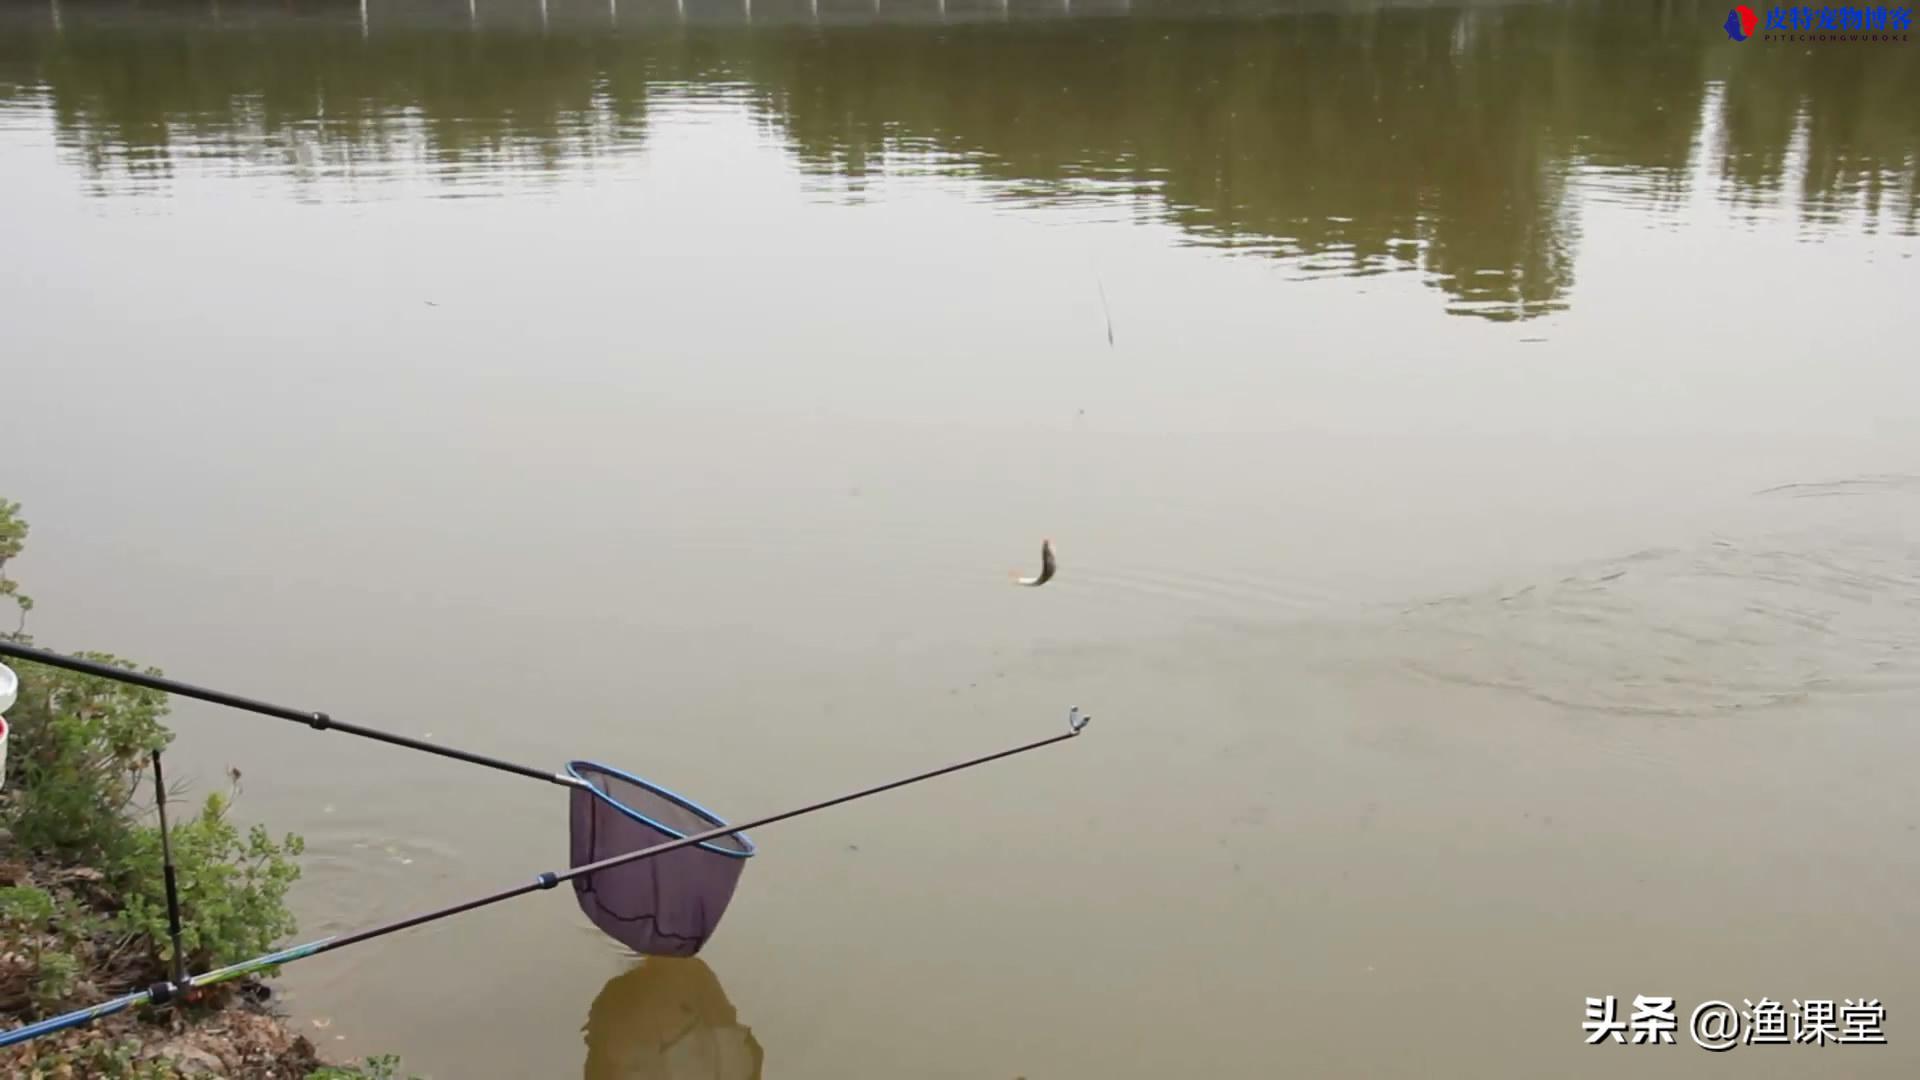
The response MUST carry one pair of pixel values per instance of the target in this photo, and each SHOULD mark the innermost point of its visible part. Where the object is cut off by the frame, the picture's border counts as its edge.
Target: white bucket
(9, 689)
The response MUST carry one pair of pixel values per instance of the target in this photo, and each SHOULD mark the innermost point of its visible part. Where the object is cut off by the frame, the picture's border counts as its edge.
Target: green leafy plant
(77, 750)
(26, 908)
(13, 538)
(48, 942)
(56, 980)
(232, 888)
(27, 914)
(383, 1067)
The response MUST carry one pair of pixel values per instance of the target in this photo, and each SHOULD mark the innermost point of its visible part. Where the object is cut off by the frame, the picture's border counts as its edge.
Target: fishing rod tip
(1076, 723)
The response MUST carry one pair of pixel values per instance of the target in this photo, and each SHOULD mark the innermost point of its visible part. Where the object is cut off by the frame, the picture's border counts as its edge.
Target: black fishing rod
(318, 721)
(163, 992)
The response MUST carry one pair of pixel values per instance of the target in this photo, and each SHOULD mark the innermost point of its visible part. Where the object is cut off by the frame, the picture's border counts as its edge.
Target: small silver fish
(1046, 566)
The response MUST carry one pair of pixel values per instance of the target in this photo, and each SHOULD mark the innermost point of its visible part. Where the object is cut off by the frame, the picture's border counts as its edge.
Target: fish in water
(1046, 566)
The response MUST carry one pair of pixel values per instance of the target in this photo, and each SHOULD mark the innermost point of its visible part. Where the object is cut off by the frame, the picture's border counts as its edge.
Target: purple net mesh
(666, 905)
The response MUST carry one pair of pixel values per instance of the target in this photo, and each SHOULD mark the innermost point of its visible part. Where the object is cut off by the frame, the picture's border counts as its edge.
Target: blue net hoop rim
(671, 796)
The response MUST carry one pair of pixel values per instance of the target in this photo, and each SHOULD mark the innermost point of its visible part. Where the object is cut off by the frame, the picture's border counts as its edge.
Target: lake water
(1481, 441)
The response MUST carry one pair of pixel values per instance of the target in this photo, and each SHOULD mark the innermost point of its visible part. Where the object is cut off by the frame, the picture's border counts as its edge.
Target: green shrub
(26, 908)
(52, 938)
(232, 890)
(13, 537)
(77, 752)
(384, 1067)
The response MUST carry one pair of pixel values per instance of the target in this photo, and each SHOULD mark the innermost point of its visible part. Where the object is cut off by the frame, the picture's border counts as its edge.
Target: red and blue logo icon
(1741, 22)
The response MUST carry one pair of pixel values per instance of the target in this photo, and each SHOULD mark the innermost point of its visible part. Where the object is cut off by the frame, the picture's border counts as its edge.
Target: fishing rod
(318, 721)
(163, 992)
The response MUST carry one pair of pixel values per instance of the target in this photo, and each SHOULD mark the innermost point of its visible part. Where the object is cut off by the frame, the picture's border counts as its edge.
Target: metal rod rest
(166, 866)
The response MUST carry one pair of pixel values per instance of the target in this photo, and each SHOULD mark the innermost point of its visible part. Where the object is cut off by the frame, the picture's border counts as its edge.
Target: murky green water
(1481, 440)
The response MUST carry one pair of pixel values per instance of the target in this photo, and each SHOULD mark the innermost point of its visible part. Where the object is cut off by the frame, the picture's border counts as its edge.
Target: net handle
(318, 721)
